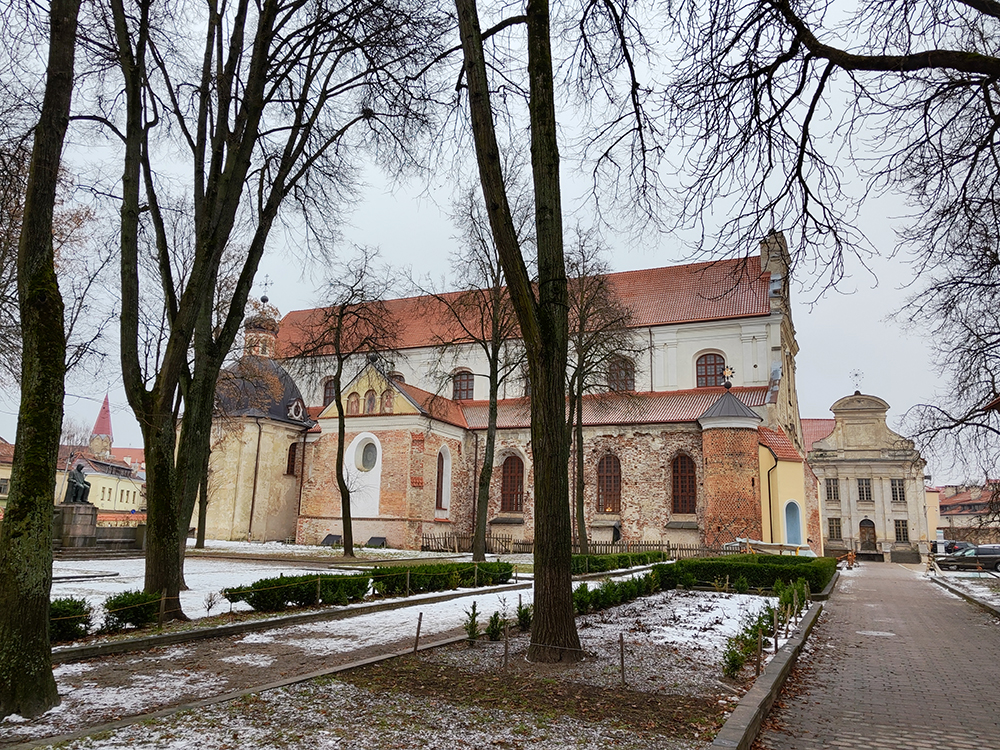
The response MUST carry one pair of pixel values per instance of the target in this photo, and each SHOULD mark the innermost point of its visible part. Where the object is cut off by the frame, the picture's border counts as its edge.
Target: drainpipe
(770, 500)
(256, 471)
(650, 359)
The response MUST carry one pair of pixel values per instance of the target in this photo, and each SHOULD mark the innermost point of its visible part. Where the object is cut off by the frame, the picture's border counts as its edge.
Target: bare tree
(542, 312)
(82, 262)
(479, 314)
(354, 325)
(602, 347)
(283, 93)
(27, 686)
(787, 105)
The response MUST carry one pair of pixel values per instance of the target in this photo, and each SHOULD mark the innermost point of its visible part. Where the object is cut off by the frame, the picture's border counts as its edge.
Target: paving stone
(894, 662)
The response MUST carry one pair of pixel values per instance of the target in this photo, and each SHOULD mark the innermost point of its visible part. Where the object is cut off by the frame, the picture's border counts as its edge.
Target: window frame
(706, 378)
(609, 484)
(684, 485)
(329, 392)
(621, 374)
(512, 485)
(439, 490)
(353, 403)
(371, 401)
(831, 522)
(902, 529)
(834, 484)
(898, 487)
(387, 401)
(463, 386)
(865, 490)
(291, 463)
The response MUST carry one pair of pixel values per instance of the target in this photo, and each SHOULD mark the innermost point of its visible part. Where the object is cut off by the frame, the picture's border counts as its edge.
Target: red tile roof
(778, 442)
(440, 408)
(657, 296)
(649, 407)
(816, 429)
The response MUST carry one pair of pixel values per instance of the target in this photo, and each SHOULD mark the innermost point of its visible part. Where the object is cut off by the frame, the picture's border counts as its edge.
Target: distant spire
(102, 427)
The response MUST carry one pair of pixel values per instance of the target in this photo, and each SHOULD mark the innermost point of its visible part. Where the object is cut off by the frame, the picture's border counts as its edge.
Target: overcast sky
(842, 332)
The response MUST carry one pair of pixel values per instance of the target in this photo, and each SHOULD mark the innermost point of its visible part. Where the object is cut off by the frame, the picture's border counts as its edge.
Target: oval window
(369, 454)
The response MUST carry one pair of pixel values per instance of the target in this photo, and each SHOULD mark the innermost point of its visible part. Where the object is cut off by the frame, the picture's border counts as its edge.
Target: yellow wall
(371, 379)
(786, 482)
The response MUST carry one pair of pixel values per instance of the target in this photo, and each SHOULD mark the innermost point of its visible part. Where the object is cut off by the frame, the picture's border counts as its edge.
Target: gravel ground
(675, 695)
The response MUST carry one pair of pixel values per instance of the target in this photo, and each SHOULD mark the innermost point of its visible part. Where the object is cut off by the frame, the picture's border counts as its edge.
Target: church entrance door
(866, 533)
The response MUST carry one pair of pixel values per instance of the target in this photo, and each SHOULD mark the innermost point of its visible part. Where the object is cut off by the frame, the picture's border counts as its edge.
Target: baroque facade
(871, 481)
(671, 452)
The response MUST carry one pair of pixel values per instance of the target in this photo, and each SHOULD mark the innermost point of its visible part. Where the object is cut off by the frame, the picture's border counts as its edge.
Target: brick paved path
(896, 662)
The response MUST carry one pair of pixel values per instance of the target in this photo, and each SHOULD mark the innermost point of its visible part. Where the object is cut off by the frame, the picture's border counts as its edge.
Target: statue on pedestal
(79, 488)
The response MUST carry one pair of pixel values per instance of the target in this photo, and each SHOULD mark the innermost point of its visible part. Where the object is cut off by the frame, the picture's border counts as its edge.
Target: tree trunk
(581, 517)
(163, 539)
(202, 512)
(486, 473)
(544, 324)
(345, 491)
(26, 683)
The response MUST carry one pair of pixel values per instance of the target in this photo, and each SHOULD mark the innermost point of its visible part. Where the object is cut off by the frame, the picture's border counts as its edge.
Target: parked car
(985, 556)
(953, 548)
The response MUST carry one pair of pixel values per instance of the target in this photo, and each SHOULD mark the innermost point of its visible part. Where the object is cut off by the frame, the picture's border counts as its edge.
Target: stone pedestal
(77, 525)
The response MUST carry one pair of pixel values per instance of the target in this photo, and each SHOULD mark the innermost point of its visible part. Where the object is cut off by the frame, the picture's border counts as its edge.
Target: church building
(697, 440)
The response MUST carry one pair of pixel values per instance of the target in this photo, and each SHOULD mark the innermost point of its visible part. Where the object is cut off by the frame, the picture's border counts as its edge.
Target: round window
(368, 456)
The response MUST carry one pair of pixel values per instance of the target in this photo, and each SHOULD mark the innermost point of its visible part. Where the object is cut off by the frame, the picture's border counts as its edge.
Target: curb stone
(967, 596)
(742, 726)
(68, 654)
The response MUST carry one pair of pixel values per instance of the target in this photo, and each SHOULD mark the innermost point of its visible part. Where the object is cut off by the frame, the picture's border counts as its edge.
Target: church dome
(260, 387)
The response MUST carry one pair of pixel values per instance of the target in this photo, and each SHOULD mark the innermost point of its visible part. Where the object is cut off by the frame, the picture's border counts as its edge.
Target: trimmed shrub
(524, 614)
(135, 609)
(583, 564)
(69, 619)
(759, 571)
(391, 581)
(278, 594)
(612, 593)
(495, 626)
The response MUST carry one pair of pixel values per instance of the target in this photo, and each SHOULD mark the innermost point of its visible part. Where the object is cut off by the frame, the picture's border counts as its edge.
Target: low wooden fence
(499, 544)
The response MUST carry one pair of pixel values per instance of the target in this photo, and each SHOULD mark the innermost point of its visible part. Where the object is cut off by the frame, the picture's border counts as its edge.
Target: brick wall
(731, 490)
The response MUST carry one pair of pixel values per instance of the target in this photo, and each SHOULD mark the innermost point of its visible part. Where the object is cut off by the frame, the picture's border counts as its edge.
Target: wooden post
(621, 651)
(760, 648)
(775, 631)
(476, 572)
(506, 646)
(407, 581)
(795, 601)
(416, 641)
(317, 590)
(163, 608)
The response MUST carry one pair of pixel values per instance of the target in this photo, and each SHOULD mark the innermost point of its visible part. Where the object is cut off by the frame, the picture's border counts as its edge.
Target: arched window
(370, 401)
(793, 523)
(439, 492)
(397, 377)
(709, 370)
(684, 484)
(329, 392)
(353, 403)
(293, 454)
(461, 386)
(609, 485)
(621, 374)
(512, 485)
(387, 400)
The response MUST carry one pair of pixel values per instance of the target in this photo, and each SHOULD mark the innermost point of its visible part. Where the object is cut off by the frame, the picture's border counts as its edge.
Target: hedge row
(759, 571)
(583, 564)
(402, 581)
(612, 593)
(277, 594)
